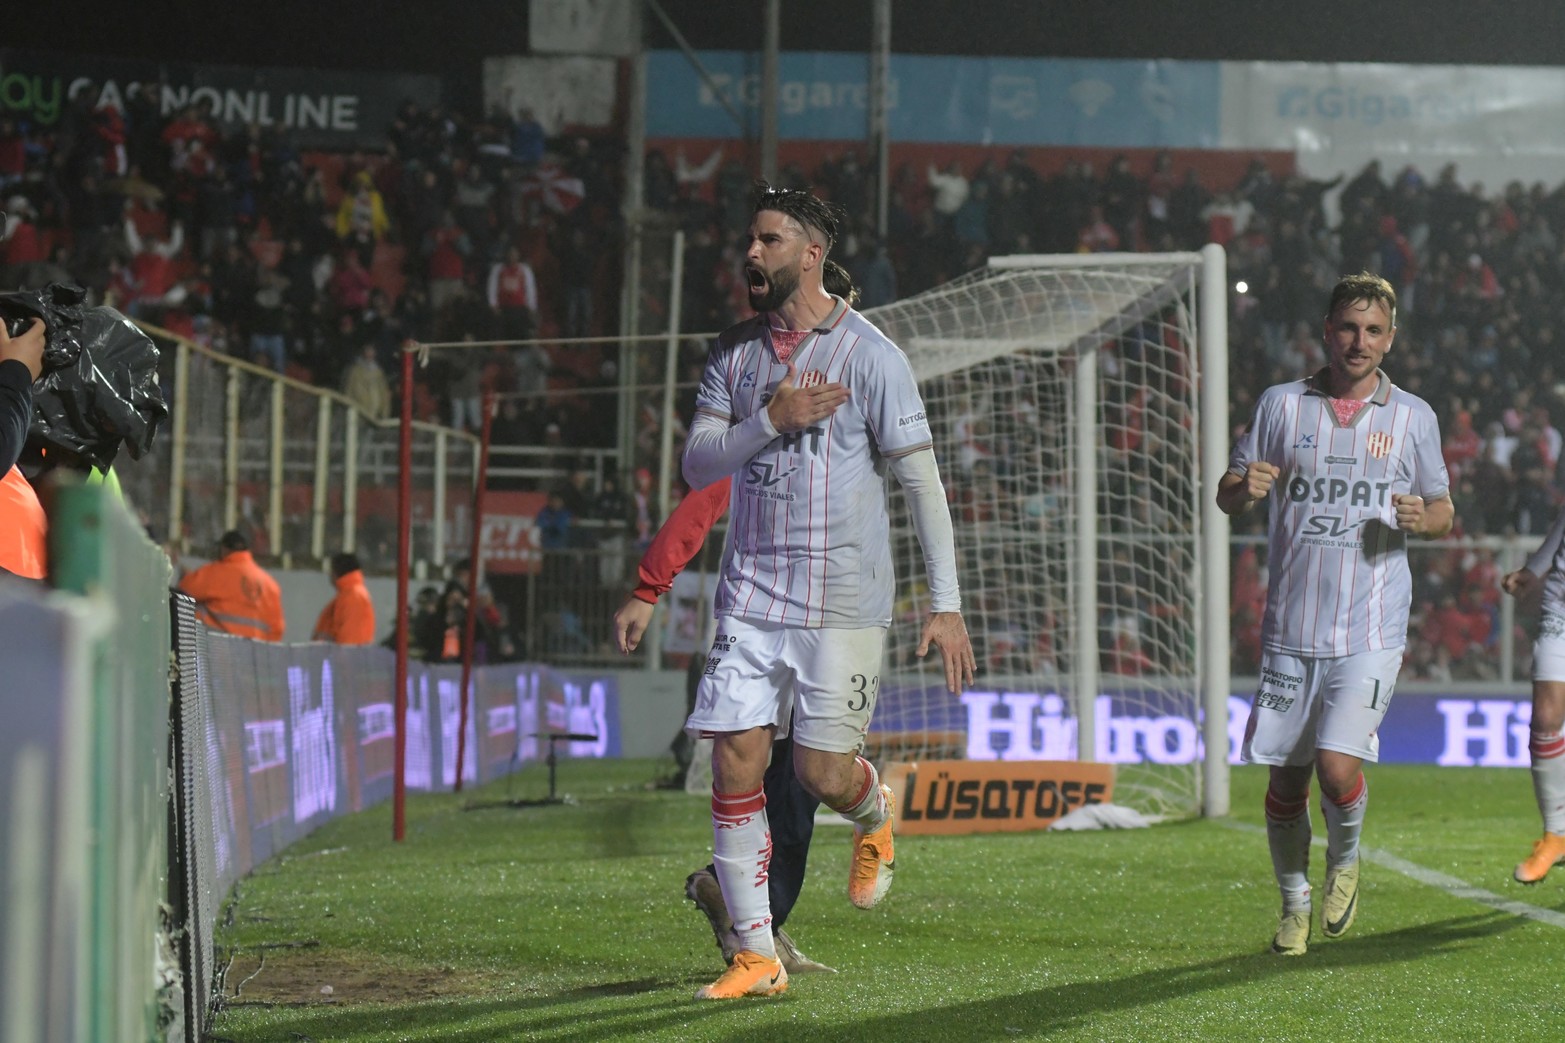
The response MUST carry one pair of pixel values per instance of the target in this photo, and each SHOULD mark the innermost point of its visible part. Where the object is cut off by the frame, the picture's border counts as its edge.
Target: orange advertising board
(993, 796)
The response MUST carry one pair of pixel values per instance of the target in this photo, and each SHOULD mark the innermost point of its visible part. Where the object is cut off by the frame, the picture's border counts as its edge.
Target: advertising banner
(981, 101)
(949, 797)
(1453, 729)
(323, 108)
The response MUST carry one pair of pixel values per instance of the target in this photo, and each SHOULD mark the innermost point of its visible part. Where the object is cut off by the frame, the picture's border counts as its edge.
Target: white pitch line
(1451, 885)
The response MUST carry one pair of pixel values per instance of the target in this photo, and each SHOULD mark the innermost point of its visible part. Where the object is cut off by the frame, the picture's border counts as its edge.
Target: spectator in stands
(235, 595)
(361, 218)
(555, 523)
(513, 296)
(950, 188)
(528, 139)
(153, 273)
(473, 206)
(349, 617)
(366, 385)
(351, 285)
(21, 246)
(446, 249)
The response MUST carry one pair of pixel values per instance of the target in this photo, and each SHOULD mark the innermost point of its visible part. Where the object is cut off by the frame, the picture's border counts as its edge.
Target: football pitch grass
(569, 923)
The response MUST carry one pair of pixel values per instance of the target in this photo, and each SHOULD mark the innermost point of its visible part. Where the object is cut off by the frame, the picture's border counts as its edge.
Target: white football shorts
(1548, 650)
(1306, 704)
(824, 680)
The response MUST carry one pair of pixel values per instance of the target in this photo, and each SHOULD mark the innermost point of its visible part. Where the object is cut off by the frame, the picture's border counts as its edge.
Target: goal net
(1064, 394)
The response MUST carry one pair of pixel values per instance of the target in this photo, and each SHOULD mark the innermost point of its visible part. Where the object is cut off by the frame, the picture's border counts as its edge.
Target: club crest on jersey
(1379, 445)
(811, 378)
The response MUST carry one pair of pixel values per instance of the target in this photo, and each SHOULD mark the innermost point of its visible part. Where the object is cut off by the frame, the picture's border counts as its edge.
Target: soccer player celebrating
(1546, 744)
(1352, 466)
(807, 405)
(790, 808)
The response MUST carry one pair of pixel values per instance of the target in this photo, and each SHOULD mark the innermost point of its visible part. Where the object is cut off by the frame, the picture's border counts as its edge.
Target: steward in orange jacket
(349, 618)
(23, 528)
(235, 595)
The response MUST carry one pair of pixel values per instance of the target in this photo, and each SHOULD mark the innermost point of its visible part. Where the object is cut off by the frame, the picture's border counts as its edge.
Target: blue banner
(1450, 729)
(977, 101)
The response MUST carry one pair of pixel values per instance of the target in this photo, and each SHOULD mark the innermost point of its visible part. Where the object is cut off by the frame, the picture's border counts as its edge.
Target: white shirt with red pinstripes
(809, 531)
(1339, 582)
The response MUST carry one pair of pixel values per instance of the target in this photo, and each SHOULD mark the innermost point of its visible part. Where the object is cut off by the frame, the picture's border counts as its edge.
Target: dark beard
(779, 287)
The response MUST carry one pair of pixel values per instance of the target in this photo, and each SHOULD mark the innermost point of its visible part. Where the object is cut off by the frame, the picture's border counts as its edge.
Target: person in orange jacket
(23, 528)
(348, 618)
(235, 595)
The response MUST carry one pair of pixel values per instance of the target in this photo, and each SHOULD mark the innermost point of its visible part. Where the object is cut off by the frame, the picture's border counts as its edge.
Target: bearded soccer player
(1351, 466)
(807, 406)
(1546, 744)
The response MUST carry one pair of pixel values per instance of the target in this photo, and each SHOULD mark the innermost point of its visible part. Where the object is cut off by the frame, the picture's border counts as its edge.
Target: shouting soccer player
(1351, 465)
(807, 406)
(790, 808)
(1546, 743)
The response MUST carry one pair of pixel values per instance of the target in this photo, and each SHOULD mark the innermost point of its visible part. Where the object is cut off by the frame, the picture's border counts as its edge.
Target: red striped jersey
(809, 531)
(1339, 582)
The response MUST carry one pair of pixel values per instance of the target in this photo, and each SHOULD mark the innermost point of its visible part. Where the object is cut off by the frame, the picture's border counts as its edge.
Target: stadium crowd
(464, 227)
(1478, 276)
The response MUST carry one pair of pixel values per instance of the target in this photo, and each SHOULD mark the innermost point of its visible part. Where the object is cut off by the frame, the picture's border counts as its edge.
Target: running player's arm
(677, 541)
(1521, 582)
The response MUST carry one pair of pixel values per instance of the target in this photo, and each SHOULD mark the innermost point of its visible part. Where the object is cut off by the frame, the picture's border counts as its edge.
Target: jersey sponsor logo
(747, 380)
(762, 476)
(1551, 626)
(1351, 461)
(915, 418)
(1327, 525)
(1379, 445)
(1305, 442)
(1273, 701)
(1303, 488)
(1278, 679)
(767, 474)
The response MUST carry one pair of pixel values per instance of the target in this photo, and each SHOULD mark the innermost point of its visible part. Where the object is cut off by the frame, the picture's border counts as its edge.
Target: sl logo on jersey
(811, 378)
(1379, 445)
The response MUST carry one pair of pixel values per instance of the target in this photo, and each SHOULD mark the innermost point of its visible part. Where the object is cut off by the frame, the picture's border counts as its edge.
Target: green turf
(567, 923)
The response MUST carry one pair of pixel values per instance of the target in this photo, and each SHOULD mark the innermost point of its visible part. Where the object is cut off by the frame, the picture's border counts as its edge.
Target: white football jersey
(809, 532)
(1338, 578)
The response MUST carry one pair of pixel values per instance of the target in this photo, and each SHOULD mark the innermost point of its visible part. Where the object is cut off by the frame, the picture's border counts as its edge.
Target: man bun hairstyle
(811, 212)
(836, 281)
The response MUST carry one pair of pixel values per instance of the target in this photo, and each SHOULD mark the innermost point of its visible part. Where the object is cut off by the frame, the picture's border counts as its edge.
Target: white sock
(1548, 778)
(742, 855)
(867, 809)
(1344, 823)
(1288, 836)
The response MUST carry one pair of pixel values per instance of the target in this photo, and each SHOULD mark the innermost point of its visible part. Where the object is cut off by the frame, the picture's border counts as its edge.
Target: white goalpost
(1079, 405)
